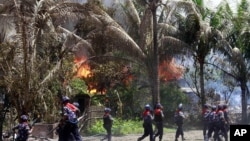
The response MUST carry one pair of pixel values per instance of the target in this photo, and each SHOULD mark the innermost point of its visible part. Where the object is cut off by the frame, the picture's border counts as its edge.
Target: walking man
(158, 118)
(107, 123)
(70, 121)
(205, 115)
(24, 129)
(147, 124)
(179, 117)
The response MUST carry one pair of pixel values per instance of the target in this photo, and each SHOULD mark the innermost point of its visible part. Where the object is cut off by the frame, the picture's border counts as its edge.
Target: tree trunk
(243, 103)
(202, 89)
(156, 81)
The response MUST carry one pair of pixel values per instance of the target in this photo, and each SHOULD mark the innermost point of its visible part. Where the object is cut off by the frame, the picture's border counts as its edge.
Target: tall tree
(235, 29)
(36, 50)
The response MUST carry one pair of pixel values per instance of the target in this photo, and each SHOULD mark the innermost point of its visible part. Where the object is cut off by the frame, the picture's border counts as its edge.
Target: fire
(168, 70)
(84, 71)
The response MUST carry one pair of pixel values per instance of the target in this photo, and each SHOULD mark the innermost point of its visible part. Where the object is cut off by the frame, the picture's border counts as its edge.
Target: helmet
(24, 117)
(147, 107)
(76, 104)
(205, 106)
(213, 108)
(107, 109)
(180, 106)
(220, 106)
(158, 105)
(65, 99)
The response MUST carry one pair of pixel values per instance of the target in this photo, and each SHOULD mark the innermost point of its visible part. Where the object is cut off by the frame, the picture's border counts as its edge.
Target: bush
(120, 127)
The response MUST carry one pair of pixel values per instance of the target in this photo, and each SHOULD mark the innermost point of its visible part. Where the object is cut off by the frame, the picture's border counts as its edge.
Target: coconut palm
(234, 26)
(35, 50)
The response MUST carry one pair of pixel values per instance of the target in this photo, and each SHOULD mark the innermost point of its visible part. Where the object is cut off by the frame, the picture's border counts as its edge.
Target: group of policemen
(148, 118)
(216, 121)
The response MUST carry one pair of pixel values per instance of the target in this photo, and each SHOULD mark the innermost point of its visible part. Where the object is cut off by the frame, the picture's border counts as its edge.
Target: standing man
(70, 121)
(158, 118)
(147, 124)
(179, 117)
(107, 123)
(211, 123)
(221, 122)
(205, 115)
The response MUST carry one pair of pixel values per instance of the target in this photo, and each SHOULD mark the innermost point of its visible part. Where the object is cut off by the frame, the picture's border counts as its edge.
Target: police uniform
(147, 124)
(158, 118)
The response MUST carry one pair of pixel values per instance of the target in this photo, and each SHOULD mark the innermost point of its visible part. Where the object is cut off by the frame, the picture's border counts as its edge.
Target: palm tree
(234, 27)
(35, 51)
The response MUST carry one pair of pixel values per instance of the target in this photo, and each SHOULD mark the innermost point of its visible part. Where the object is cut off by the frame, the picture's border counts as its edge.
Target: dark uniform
(221, 123)
(70, 122)
(158, 118)
(24, 129)
(147, 124)
(211, 122)
(205, 115)
(107, 123)
(179, 117)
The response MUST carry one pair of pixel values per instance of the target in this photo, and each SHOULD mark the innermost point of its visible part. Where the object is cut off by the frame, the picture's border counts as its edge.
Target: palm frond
(171, 46)
(119, 39)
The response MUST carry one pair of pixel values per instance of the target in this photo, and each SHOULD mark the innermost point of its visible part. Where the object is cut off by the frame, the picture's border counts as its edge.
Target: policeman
(205, 115)
(158, 118)
(221, 122)
(147, 123)
(70, 120)
(211, 122)
(179, 117)
(107, 123)
(24, 129)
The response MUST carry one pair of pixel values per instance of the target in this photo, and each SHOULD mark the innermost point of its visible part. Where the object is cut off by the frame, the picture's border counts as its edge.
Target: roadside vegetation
(121, 127)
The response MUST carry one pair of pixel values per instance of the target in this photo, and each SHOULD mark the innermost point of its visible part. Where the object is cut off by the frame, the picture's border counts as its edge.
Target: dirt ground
(191, 135)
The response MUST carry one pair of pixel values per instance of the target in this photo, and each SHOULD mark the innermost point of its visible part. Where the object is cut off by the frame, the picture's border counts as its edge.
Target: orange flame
(169, 70)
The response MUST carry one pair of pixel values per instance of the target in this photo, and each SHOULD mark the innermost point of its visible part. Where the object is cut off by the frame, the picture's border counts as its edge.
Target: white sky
(212, 4)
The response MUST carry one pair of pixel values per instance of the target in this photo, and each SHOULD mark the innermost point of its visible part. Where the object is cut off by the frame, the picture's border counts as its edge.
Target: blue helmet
(65, 99)
(180, 106)
(24, 117)
(158, 105)
(147, 107)
(213, 108)
(107, 110)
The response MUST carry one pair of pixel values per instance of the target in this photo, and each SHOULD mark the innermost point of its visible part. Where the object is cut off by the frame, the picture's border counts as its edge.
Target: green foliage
(78, 85)
(120, 127)
(172, 96)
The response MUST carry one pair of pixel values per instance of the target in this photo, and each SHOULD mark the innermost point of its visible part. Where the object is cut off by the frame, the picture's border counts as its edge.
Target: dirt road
(191, 135)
